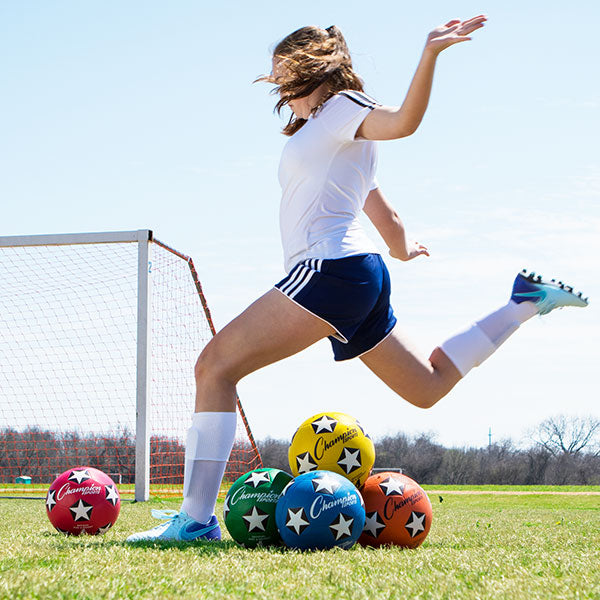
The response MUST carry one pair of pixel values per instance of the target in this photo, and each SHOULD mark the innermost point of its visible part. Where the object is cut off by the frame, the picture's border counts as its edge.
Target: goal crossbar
(67, 239)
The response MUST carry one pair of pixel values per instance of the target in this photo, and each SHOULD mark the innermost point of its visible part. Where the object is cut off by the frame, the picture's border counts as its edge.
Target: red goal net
(69, 377)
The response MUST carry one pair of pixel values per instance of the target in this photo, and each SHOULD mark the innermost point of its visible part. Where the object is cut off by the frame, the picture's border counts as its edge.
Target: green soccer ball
(249, 510)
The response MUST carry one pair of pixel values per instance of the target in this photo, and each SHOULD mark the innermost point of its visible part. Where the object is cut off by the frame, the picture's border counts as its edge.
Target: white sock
(470, 348)
(500, 324)
(209, 443)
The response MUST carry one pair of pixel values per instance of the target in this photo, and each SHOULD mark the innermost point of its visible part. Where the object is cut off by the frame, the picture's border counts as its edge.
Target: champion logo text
(320, 504)
(241, 494)
(66, 489)
(395, 503)
(321, 446)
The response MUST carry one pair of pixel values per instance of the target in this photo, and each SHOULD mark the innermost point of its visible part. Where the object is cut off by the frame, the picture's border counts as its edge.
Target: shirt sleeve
(342, 114)
(374, 184)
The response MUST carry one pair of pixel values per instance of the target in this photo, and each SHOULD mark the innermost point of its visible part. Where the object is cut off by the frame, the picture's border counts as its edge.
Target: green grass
(480, 546)
(517, 488)
(127, 490)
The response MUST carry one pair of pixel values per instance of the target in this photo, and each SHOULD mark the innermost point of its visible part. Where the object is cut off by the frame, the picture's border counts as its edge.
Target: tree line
(427, 462)
(44, 454)
(565, 451)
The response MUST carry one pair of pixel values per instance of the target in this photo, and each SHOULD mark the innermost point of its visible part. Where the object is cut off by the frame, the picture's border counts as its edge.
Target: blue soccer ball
(320, 510)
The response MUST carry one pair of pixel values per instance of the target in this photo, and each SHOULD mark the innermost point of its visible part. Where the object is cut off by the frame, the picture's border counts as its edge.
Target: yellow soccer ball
(332, 441)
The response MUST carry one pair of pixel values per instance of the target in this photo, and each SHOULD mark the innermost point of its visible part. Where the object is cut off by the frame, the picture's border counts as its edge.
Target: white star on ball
(350, 459)
(372, 524)
(342, 527)
(325, 423)
(50, 501)
(111, 494)
(304, 463)
(255, 479)
(285, 489)
(325, 483)
(81, 511)
(296, 520)
(79, 476)
(392, 487)
(255, 519)
(363, 430)
(104, 529)
(226, 506)
(417, 524)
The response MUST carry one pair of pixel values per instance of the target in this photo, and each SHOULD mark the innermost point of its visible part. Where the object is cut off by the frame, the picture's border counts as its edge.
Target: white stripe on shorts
(300, 275)
(301, 284)
(292, 278)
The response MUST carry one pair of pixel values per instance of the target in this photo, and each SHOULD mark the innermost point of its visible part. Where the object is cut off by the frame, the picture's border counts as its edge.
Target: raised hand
(411, 250)
(453, 32)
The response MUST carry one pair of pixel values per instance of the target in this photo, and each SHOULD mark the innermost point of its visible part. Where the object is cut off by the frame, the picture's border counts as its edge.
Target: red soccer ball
(398, 511)
(83, 500)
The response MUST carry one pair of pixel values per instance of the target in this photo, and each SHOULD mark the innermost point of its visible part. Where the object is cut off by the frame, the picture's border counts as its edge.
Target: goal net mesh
(68, 335)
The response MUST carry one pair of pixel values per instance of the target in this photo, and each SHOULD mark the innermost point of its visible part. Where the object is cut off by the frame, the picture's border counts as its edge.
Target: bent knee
(424, 398)
(213, 364)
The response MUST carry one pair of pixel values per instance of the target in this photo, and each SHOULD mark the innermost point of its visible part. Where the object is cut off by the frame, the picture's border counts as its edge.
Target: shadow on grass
(202, 547)
(211, 548)
(208, 548)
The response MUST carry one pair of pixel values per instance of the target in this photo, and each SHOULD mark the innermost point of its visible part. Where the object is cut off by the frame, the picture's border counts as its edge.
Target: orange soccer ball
(398, 511)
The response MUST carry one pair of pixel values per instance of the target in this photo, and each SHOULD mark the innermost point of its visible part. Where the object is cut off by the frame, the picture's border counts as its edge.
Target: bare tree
(564, 434)
(274, 453)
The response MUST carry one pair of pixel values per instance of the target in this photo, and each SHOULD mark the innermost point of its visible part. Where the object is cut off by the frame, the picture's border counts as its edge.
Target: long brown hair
(311, 56)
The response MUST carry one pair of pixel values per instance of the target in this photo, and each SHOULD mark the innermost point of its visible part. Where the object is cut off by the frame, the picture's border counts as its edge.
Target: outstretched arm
(390, 227)
(390, 123)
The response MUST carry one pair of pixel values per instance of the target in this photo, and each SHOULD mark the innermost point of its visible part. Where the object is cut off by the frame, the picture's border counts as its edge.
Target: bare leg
(269, 330)
(421, 382)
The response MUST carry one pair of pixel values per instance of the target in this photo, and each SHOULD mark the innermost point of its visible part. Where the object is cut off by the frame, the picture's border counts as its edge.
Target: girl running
(337, 284)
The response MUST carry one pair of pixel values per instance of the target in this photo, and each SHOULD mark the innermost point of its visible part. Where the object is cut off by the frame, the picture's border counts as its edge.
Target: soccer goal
(99, 333)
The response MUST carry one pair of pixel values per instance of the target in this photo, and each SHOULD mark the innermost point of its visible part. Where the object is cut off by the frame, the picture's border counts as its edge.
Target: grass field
(127, 490)
(480, 546)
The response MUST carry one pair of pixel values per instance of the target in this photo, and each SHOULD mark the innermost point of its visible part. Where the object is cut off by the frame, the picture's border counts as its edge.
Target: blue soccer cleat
(179, 528)
(546, 296)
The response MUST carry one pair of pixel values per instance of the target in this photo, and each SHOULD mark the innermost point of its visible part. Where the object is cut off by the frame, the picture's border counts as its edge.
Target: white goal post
(98, 336)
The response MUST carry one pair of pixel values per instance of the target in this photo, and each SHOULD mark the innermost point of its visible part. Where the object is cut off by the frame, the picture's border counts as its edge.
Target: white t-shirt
(325, 176)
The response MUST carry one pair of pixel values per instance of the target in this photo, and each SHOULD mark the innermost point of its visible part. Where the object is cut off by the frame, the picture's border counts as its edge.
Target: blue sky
(126, 115)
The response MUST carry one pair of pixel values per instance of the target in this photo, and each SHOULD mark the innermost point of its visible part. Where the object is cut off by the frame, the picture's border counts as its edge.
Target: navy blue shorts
(352, 294)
